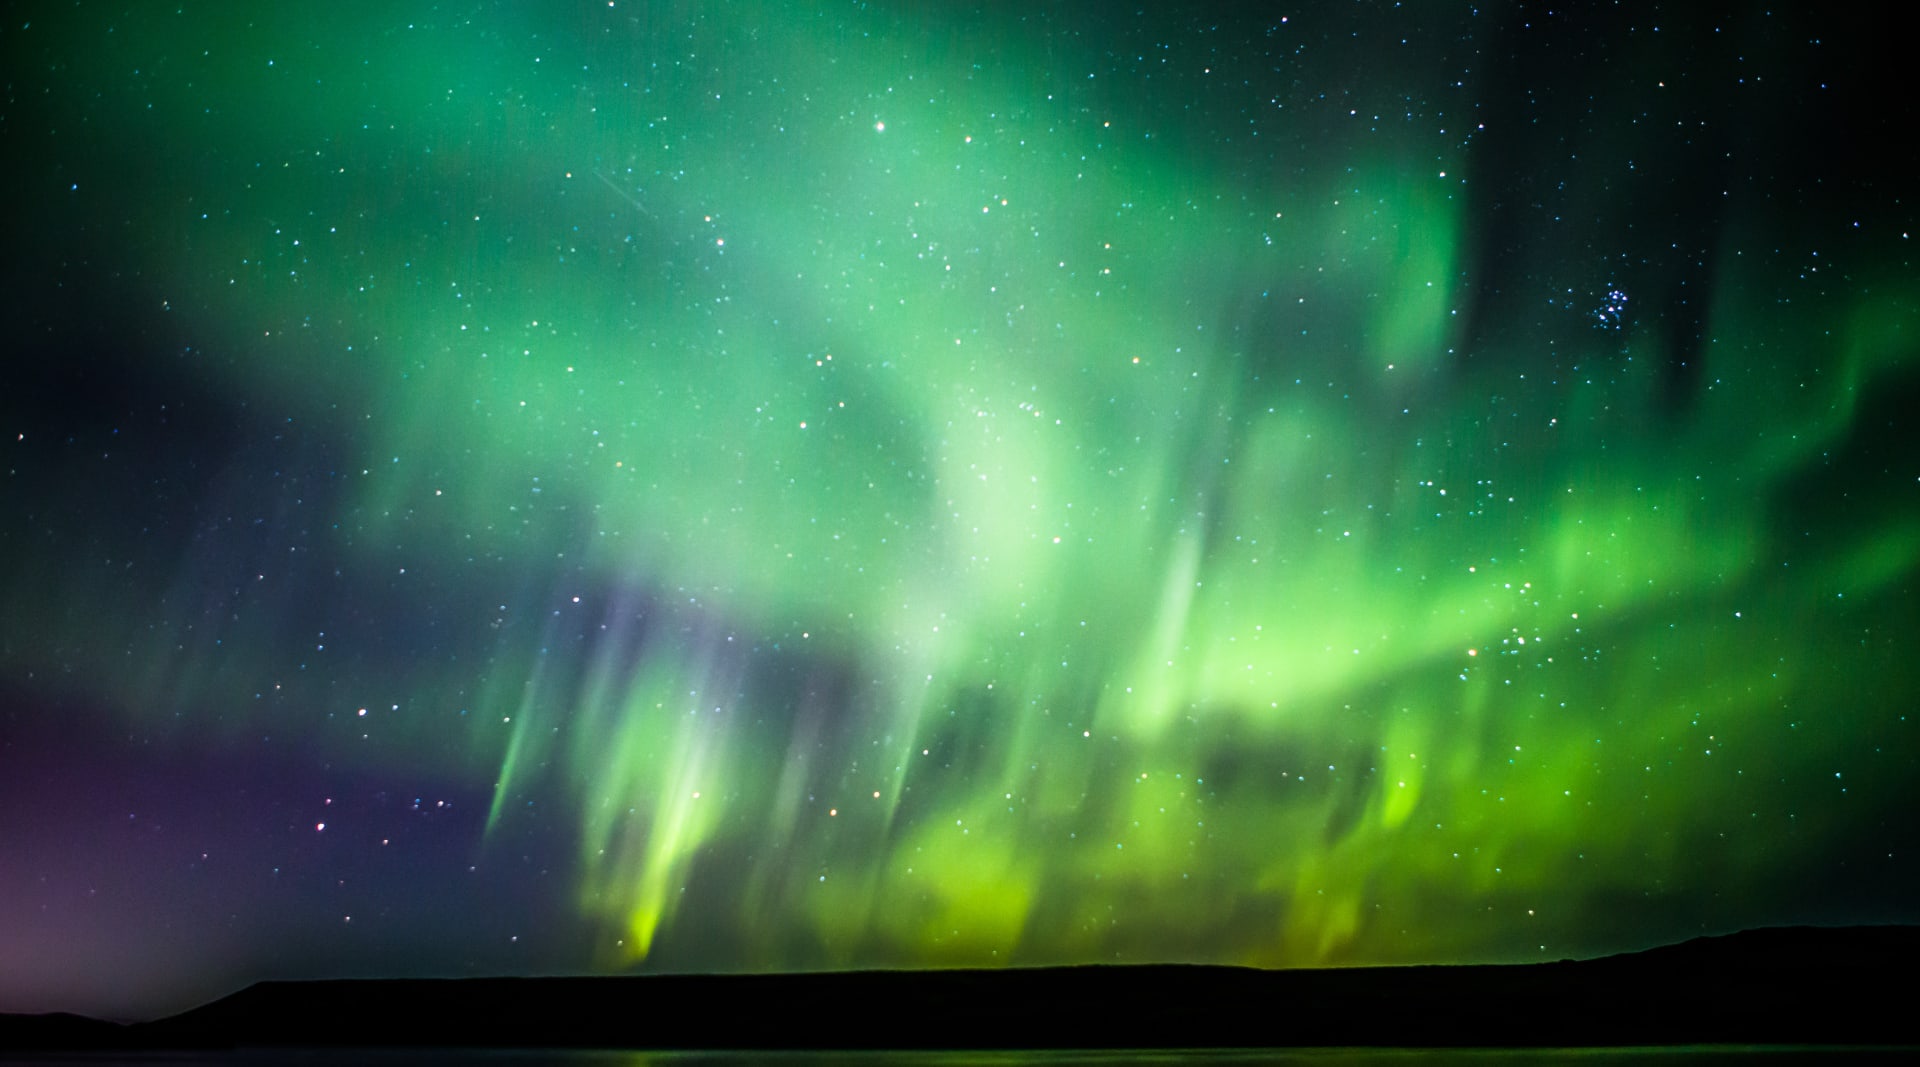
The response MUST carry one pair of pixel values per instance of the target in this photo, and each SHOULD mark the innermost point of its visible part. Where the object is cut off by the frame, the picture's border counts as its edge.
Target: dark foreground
(1782, 987)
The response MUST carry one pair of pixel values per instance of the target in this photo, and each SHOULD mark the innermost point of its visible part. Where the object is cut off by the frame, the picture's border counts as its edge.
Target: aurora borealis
(693, 486)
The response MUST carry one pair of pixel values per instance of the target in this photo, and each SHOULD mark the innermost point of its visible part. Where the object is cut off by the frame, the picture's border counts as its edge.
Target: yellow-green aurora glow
(1005, 488)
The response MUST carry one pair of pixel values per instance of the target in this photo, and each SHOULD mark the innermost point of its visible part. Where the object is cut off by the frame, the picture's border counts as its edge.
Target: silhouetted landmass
(1778, 986)
(58, 1030)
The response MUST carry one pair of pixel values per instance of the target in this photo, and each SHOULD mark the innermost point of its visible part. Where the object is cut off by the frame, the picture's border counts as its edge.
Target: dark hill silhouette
(1785, 986)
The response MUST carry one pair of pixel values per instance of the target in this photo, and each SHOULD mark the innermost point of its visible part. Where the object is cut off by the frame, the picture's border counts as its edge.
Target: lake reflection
(1339, 1057)
(1342, 1057)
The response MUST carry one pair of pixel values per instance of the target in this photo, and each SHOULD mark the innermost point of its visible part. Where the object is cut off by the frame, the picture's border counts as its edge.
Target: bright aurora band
(591, 487)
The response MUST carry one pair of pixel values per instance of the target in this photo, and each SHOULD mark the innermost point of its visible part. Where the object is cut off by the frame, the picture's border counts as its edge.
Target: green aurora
(942, 490)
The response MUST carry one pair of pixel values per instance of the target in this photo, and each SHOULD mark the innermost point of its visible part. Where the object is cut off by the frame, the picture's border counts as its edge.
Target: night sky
(498, 488)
